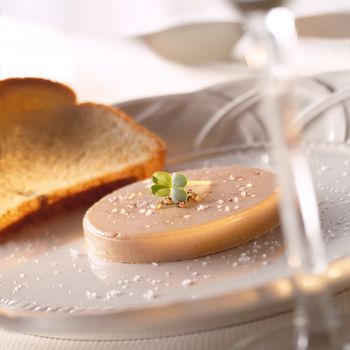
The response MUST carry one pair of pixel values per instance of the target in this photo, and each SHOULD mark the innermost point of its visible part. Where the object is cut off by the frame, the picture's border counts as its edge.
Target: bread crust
(30, 207)
(22, 82)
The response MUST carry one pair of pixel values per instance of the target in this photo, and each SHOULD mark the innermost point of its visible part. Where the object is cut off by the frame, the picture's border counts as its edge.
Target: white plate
(183, 116)
(50, 286)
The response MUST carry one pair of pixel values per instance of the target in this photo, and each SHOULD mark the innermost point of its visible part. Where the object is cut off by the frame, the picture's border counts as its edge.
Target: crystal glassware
(316, 323)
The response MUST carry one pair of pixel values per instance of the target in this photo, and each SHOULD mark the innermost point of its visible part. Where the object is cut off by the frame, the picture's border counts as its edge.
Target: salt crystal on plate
(73, 252)
(150, 294)
(187, 282)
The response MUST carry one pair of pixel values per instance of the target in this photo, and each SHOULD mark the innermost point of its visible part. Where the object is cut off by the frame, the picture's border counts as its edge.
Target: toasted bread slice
(53, 148)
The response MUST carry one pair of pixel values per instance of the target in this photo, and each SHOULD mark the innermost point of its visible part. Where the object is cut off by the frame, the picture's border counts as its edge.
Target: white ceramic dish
(50, 286)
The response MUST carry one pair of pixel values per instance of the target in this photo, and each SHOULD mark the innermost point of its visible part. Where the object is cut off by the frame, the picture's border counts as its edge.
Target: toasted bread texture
(52, 148)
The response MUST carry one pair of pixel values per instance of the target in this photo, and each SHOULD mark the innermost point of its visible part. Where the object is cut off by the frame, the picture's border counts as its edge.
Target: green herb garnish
(173, 186)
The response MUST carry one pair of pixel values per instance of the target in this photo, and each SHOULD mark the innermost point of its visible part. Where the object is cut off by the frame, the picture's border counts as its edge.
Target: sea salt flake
(187, 282)
(227, 208)
(90, 295)
(220, 201)
(143, 210)
(73, 252)
(200, 207)
(149, 212)
(187, 216)
(149, 295)
(243, 194)
(249, 185)
(113, 294)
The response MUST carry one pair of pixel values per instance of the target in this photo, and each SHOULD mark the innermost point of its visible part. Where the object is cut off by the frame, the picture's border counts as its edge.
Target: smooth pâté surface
(238, 205)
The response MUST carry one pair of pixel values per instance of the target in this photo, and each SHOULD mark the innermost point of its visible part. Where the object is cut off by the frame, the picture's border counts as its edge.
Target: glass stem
(274, 31)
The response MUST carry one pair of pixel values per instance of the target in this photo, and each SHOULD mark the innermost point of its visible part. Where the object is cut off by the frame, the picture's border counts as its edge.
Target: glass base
(286, 339)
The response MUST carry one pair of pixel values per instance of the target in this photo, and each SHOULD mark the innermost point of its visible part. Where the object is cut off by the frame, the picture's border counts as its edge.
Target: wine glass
(316, 323)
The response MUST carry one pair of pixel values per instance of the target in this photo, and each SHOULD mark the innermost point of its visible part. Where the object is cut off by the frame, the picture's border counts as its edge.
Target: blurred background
(115, 50)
